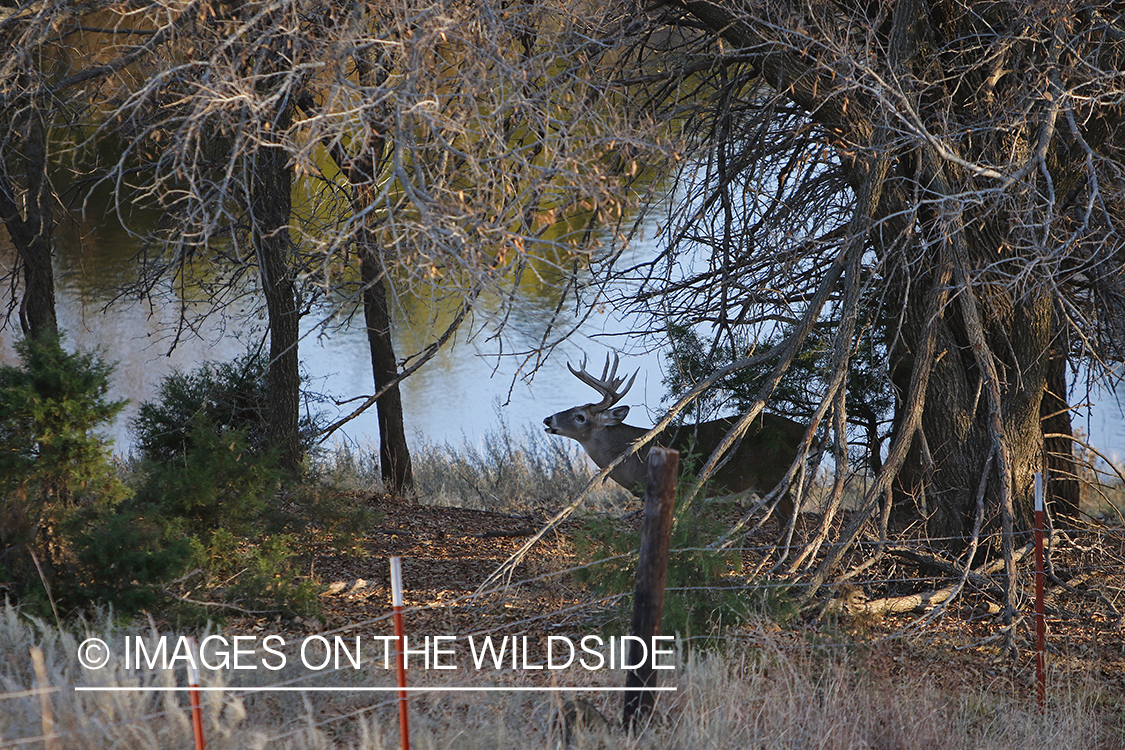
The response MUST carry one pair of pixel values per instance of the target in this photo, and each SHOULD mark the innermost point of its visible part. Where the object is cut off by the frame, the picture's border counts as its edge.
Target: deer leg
(785, 511)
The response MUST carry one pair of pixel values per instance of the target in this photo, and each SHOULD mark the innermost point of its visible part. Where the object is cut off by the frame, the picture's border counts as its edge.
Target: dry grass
(766, 689)
(502, 473)
(773, 690)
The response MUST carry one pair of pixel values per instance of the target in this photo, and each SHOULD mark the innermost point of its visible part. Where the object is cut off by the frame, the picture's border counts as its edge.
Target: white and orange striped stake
(193, 696)
(400, 658)
(1040, 620)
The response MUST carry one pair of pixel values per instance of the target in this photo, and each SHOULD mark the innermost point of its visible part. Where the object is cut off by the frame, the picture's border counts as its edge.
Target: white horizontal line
(412, 689)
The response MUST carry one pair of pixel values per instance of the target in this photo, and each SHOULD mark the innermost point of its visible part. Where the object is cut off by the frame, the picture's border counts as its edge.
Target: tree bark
(1062, 488)
(362, 171)
(955, 420)
(270, 205)
(32, 232)
(395, 466)
(394, 454)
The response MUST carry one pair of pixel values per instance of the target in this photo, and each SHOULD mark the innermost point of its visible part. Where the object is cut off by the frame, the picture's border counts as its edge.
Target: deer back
(757, 462)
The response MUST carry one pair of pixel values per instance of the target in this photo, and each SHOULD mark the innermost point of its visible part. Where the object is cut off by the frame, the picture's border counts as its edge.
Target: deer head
(599, 427)
(758, 462)
(585, 422)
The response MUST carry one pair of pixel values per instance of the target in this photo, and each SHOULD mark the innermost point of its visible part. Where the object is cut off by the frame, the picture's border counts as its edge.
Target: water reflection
(463, 393)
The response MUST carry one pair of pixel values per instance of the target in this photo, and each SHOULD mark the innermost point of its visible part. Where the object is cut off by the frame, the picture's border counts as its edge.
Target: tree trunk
(32, 233)
(394, 454)
(1023, 347)
(1062, 468)
(270, 208)
(934, 476)
(947, 465)
(362, 170)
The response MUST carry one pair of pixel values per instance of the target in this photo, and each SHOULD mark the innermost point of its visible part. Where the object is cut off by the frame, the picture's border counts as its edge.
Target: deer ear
(616, 415)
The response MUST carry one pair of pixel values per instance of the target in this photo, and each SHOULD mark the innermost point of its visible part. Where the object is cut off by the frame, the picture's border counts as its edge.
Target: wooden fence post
(652, 570)
(43, 687)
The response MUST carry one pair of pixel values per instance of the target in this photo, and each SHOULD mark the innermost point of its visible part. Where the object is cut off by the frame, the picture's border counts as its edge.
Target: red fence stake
(400, 659)
(193, 696)
(1040, 621)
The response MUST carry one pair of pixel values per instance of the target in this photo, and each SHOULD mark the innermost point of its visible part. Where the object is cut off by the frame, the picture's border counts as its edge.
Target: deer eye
(580, 418)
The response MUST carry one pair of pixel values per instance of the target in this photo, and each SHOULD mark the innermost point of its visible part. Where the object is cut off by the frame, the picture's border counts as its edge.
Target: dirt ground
(448, 553)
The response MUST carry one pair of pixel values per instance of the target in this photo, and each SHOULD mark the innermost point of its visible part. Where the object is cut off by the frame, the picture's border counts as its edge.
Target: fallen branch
(979, 577)
(503, 534)
(1119, 619)
(223, 605)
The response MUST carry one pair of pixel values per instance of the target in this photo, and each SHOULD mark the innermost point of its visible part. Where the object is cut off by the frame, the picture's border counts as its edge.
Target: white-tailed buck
(758, 463)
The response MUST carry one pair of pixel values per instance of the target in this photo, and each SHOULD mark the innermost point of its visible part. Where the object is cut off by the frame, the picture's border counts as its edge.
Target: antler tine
(608, 384)
(606, 370)
(615, 381)
(628, 385)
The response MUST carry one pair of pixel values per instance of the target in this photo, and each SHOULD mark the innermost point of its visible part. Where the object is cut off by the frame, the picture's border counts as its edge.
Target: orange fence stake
(1040, 620)
(400, 658)
(193, 696)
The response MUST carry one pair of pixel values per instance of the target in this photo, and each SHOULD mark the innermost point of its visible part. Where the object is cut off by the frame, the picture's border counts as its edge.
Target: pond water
(469, 389)
(477, 385)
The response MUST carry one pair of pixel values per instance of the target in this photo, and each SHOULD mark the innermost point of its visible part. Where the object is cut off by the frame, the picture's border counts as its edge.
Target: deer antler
(607, 385)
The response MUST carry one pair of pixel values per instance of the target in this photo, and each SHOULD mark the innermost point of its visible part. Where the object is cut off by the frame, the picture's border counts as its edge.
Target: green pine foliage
(216, 481)
(215, 398)
(690, 359)
(54, 464)
(51, 407)
(124, 557)
(200, 525)
(705, 591)
(870, 400)
(211, 476)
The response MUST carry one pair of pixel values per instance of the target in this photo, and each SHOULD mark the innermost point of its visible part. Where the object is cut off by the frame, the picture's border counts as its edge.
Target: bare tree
(27, 207)
(62, 62)
(471, 136)
(446, 151)
(360, 166)
(938, 180)
(27, 197)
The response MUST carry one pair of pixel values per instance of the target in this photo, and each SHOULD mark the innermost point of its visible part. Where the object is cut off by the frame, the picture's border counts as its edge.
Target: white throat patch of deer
(758, 462)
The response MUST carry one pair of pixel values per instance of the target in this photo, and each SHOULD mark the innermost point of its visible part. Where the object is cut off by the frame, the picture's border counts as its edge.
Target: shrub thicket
(53, 462)
(211, 477)
(213, 399)
(203, 500)
(50, 410)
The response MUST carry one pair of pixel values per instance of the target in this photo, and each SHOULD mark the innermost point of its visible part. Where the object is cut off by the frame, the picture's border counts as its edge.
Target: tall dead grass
(773, 690)
(501, 472)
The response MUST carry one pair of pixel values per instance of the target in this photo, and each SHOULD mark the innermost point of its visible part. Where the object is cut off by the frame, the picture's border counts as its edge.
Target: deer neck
(613, 441)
